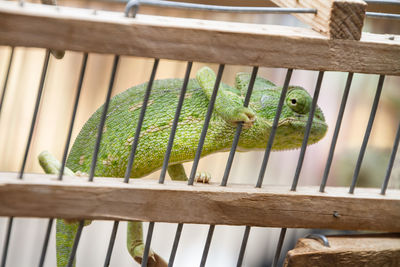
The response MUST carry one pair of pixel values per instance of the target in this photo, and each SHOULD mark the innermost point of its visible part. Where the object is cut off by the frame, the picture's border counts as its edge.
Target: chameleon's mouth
(319, 127)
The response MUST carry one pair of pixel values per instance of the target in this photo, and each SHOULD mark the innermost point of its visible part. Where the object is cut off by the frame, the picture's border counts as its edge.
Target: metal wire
(103, 119)
(206, 123)
(243, 246)
(75, 108)
(132, 154)
(207, 245)
(3, 94)
(35, 112)
(175, 123)
(274, 128)
(336, 132)
(76, 243)
(134, 4)
(111, 243)
(367, 133)
(391, 161)
(279, 247)
(147, 245)
(319, 237)
(95, 153)
(45, 242)
(140, 121)
(7, 242)
(60, 176)
(239, 128)
(382, 15)
(175, 245)
(307, 131)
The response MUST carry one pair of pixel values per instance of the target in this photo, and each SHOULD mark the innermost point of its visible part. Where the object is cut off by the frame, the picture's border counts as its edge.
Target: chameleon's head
(294, 116)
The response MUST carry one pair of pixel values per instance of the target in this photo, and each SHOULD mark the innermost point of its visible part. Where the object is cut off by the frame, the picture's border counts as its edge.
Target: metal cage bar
(336, 132)
(206, 123)
(367, 133)
(239, 128)
(3, 94)
(243, 246)
(274, 128)
(391, 161)
(96, 151)
(307, 131)
(35, 111)
(175, 245)
(279, 247)
(66, 148)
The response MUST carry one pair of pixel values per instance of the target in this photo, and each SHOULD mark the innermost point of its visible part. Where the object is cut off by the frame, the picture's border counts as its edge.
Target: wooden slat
(146, 200)
(337, 19)
(194, 40)
(347, 251)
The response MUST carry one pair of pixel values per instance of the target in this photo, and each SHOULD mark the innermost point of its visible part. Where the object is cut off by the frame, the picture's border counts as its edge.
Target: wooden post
(351, 250)
(337, 19)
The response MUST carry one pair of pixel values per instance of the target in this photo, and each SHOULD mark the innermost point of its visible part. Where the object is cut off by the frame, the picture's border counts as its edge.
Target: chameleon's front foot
(244, 115)
(153, 260)
(202, 177)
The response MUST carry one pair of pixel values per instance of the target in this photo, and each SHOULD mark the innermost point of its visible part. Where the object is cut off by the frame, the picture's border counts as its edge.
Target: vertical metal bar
(60, 176)
(274, 128)
(307, 131)
(336, 132)
(391, 161)
(103, 119)
(243, 246)
(95, 153)
(132, 155)
(279, 247)
(111, 244)
(46, 242)
(71, 125)
(207, 245)
(7, 242)
(147, 245)
(140, 121)
(175, 123)
(367, 133)
(76, 243)
(3, 94)
(239, 128)
(35, 112)
(175, 245)
(206, 123)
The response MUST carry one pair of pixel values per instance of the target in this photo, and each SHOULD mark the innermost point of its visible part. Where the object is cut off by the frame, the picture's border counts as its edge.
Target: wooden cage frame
(335, 47)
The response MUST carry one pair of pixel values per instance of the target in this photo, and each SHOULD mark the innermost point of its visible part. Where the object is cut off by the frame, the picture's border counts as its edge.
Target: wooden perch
(147, 200)
(76, 29)
(347, 251)
(337, 19)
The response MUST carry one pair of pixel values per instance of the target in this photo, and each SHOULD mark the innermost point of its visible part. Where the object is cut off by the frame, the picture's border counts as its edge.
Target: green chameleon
(121, 122)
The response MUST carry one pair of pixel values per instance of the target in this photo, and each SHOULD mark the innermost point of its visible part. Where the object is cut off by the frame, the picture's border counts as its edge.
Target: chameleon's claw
(154, 260)
(202, 177)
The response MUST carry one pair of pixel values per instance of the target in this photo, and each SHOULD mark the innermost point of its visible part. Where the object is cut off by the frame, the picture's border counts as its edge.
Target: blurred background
(56, 107)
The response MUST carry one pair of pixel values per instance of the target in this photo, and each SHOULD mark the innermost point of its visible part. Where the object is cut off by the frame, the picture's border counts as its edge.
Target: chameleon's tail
(65, 232)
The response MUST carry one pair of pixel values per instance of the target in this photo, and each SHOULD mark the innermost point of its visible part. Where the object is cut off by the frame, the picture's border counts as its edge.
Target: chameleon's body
(122, 117)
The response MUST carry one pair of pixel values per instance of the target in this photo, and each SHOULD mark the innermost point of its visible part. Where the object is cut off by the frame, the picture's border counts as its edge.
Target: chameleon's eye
(299, 101)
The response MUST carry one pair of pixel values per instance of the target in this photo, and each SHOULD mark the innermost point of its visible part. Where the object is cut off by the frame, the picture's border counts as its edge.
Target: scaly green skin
(123, 115)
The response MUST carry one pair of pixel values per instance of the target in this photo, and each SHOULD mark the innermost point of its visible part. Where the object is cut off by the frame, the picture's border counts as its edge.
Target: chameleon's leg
(65, 230)
(229, 102)
(177, 173)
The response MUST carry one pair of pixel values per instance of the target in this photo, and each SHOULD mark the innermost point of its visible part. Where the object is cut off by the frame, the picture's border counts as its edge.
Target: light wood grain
(194, 40)
(347, 251)
(337, 19)
(146, 200)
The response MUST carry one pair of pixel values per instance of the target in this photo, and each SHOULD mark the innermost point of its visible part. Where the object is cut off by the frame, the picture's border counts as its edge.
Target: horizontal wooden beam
(147, 200)
(75, 29)
(337, 19)
(350, 250)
